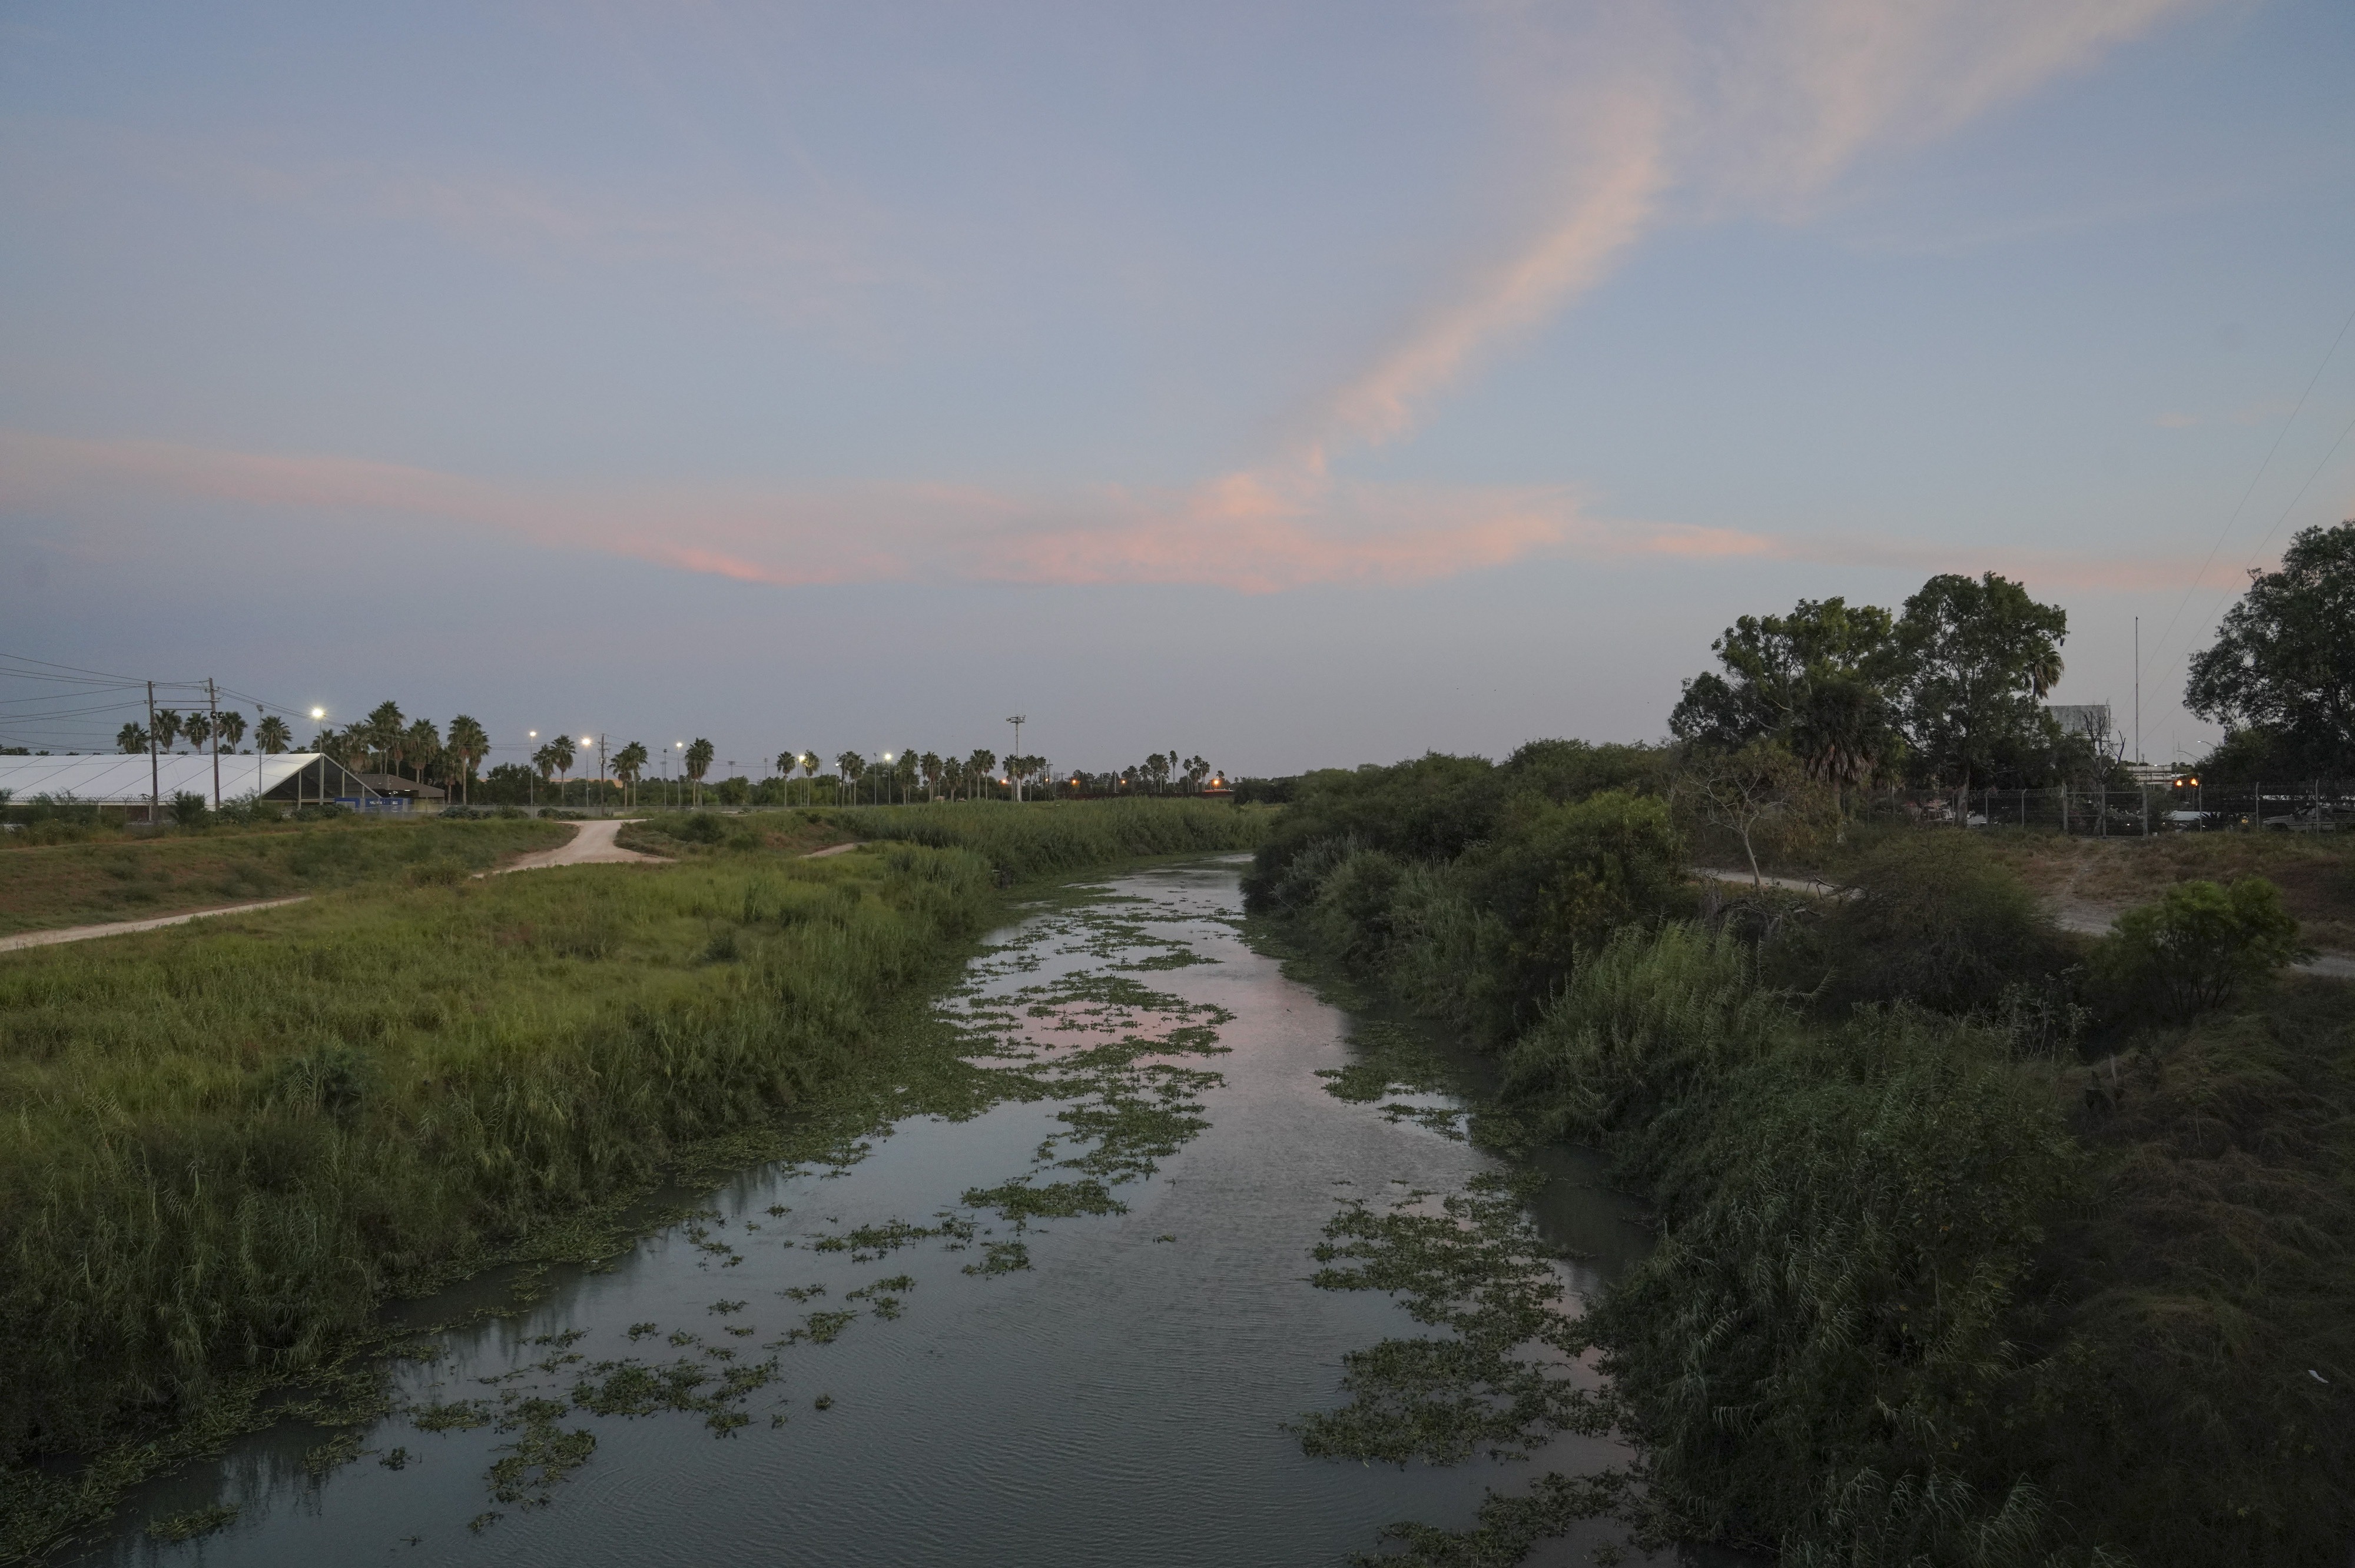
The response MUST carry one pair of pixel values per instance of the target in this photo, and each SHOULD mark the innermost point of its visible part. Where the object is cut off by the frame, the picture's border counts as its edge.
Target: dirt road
(2070, 914)
(591, 845)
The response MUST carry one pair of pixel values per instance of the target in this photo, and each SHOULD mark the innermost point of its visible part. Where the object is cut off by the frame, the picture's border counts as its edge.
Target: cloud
(1244, 532)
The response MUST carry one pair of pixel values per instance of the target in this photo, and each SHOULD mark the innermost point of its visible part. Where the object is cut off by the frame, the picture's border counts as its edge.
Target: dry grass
(2314, 871)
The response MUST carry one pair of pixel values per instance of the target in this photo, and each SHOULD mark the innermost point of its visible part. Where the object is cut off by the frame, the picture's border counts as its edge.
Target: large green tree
(2284, 661)
(273, 736)
(1821, 681)
(1980, 656)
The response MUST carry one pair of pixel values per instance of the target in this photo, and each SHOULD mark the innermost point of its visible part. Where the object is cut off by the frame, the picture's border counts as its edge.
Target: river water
(946, 1346)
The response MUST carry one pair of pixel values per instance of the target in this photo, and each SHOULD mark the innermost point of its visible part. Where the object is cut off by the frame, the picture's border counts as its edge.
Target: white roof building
(120, 779)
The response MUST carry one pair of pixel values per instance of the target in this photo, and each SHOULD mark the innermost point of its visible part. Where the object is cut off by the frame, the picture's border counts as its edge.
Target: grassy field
(1037, 839)
(129, 877)
(2316, 871)
(228, 1143)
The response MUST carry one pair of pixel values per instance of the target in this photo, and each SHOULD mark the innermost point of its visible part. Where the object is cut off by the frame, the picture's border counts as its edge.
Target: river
(1074, 1326)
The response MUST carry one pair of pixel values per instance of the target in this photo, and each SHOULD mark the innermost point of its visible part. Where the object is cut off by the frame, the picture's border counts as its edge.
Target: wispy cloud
(1243, 533)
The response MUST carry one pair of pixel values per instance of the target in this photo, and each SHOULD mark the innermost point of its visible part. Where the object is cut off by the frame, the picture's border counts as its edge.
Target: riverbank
(1956, 1269)
(129, 876)
(239, 1139)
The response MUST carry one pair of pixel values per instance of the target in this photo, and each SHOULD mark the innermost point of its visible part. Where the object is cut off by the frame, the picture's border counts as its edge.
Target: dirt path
(2071, 914)
(123, 927)
(591, 845)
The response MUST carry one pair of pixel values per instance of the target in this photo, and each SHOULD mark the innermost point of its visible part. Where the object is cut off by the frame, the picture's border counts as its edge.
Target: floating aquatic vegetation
(1475, 1266)
(1000, 1257)
(1021, 1202)
(197, 1522)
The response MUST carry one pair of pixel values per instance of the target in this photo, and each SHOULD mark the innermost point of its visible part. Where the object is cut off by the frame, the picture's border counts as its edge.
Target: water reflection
(1120, 1399)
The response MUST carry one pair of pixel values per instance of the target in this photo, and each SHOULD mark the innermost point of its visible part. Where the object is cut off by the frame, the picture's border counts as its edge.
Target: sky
(1296, 385)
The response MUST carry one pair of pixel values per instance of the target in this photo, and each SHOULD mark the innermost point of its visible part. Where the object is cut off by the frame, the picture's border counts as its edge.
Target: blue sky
(1294, 385)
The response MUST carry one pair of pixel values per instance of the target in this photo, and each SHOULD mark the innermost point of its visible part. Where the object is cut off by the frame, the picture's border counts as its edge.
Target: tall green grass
(122, 877)
(226, 1144)
(1050, 838)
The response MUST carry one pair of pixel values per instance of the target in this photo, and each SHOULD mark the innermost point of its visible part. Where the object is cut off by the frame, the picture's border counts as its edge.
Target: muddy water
(1004, 1381)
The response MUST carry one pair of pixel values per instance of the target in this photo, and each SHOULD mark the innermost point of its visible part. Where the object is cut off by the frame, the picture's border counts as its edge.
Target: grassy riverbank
(1958, 1266)
(1032, 839)
(131, 876)
(232, 1142)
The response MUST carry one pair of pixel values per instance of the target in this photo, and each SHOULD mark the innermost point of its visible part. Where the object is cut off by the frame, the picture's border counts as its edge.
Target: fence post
(2064, 809)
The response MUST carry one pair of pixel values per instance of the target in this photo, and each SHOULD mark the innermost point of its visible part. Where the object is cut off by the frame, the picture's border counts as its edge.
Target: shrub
(1929, 919)
(188, 809)
(2199, 945)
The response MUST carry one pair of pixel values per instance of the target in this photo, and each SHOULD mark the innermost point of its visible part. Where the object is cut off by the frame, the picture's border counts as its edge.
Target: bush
(2198, 945)
(1929, 919)
(188, 809)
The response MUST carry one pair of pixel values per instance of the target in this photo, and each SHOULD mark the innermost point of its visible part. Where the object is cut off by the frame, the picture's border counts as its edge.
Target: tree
(131, 739)
(931, 765)
(809, 778)
(271, 737)
(167, 727)
(1820, 680)
(231, 727)
(380, 733)
(850, 768)
(980, 763)
(1980, 656)
(2284, 661)
(421, 746)
(196, 729)
(698, 763)
(631, 761)
(1760, 794)
(468, 743)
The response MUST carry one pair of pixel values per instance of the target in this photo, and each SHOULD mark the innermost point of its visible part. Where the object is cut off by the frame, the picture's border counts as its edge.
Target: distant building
(393, 787)
(126, 779)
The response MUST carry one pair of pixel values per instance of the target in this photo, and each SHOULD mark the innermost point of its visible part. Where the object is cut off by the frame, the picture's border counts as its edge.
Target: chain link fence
(2321, 805)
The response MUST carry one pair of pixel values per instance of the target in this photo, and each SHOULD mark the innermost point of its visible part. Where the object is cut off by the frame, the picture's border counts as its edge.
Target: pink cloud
(1250, 531)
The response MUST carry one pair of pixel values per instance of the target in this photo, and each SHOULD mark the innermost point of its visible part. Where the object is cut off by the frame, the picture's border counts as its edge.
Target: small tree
(1760, 794)
(699, 753)
(2199, 945)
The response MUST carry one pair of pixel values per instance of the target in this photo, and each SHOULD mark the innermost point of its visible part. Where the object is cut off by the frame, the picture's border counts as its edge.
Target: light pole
(1013, 763)
(531, 773)
(586, 742)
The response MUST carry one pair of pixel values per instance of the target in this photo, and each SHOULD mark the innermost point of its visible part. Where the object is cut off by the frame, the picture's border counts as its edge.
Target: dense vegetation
(229, 1143)
(1977, 1247)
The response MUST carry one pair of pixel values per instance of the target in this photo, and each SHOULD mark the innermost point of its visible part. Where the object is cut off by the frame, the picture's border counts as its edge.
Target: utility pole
(1013, 765)
(2137, 691)
(212, 703)
(154, 769)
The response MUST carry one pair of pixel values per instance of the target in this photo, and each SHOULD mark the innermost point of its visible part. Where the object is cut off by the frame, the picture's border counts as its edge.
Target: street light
(586, 742)
(1014, 763)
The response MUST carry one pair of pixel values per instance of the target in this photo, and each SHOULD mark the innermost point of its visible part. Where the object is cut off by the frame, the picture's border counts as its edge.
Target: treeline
(1980, 1245)
(1949, 690)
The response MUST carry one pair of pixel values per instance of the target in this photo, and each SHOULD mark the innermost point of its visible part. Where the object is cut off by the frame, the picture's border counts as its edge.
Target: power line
(2254, 481)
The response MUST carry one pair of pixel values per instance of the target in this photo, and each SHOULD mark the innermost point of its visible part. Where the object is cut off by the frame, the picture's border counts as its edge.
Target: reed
(228, 1143)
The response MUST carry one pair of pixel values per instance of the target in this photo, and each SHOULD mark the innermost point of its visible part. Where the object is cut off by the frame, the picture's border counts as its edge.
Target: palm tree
(167, 727)
(469, 743)
(197, 728)
(809, 778)
(131, 739)
(854, 766)
(231, 727)
(981, 762)
(560, 751)
(380, 733)
(271, 737)
(631, 761)
(698, 763)
(421, 743)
